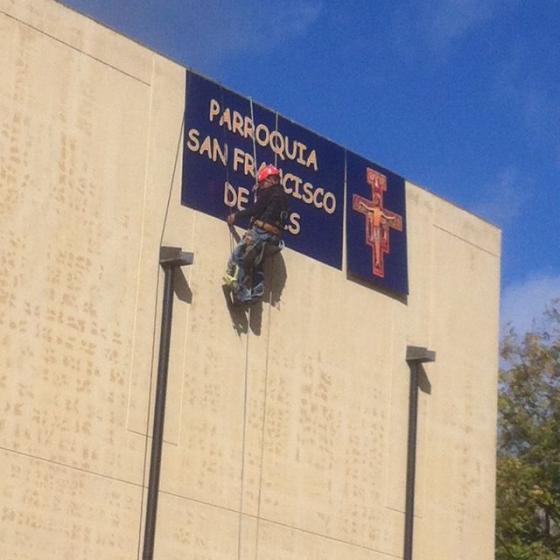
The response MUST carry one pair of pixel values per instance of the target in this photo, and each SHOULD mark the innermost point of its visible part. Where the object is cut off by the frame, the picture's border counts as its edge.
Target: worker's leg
(237, 264)
(245, 266)
(257, 290)
(269, 244)
(240, 265)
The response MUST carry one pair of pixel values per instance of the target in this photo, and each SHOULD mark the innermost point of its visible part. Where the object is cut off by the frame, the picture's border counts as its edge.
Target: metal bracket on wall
(169, 258)
(415, 356)
(419, 354)
(174, 256)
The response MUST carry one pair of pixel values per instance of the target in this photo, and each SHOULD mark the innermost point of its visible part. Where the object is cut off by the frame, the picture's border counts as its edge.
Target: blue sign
(225, 133)
(228, 139)
(376, 225)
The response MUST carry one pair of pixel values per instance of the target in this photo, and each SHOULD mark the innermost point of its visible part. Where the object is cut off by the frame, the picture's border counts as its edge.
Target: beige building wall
(286, 429)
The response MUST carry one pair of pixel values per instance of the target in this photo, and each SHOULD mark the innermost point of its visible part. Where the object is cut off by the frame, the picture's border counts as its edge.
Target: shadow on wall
(245, 317)
(423, 381)
(401, 298)
(181, 286)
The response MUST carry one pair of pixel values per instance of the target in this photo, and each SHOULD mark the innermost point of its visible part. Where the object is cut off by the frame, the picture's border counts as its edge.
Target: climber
(268, 216)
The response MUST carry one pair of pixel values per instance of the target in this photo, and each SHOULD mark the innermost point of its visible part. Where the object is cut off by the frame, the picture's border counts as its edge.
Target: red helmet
(266, 172)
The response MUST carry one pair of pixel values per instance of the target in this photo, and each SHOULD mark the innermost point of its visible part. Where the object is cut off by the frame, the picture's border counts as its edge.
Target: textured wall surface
(286, 427)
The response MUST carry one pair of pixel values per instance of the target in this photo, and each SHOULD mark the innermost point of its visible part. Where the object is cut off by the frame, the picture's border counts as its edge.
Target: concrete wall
(286, 428)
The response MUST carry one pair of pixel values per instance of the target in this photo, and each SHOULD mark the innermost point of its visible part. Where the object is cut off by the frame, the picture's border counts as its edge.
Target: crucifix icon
(379, 220)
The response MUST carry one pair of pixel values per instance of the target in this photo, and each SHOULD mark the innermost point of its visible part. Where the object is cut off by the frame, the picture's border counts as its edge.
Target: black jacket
(271, 206)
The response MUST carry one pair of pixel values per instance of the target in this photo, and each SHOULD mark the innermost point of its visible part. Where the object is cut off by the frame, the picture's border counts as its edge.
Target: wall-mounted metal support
(415, 356)
(169, 258)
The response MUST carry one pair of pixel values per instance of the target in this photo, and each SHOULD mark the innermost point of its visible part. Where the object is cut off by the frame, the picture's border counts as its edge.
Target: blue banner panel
(223, 133)
(376, 225)
(313, 174)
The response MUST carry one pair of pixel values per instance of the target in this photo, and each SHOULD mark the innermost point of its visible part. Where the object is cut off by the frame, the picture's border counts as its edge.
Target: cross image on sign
(379, 220)
(376, 225)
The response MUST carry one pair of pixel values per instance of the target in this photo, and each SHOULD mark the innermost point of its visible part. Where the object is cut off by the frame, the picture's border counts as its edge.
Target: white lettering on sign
(243, 160)
(285, 148)
(294, 226)
(318, 197)
(281, 145)
(236, 198)
(210, 147)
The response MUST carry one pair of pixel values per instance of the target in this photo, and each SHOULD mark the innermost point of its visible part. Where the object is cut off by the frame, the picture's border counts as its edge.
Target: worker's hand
(231, 219)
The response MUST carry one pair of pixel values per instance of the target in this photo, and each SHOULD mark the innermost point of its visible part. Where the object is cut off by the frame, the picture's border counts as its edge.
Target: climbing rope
(256, 167)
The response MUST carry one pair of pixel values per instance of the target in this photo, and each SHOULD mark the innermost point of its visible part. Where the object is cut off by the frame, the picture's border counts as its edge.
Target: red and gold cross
(379, 220)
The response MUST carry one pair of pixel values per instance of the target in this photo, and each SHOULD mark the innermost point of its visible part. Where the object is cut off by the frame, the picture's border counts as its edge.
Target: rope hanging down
(255, 170)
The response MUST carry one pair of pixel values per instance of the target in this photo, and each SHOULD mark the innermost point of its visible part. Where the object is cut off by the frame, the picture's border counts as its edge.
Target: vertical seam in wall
(156, 296)
(140, 254)
(390, 420)
(244, 433)
(269, 314)
(430, 272)
(177, 162)
(263, 427)
(424, 403)
(189, 274)
(144, 203)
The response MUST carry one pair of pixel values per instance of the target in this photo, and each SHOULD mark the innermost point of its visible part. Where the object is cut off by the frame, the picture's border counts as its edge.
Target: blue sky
(459, 96)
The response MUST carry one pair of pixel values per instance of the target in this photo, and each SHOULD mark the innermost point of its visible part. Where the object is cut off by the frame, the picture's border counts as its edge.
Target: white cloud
(438, 27)
(294, 17)
(523, 303)
(504, 198)
(248, 23)
(524, 86)
(448, 20)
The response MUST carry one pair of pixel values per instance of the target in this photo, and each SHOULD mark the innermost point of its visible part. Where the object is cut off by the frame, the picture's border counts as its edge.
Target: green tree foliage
(528, 476)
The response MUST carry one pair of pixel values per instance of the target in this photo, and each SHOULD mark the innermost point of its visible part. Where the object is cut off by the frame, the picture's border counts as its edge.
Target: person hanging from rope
(268, 214)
